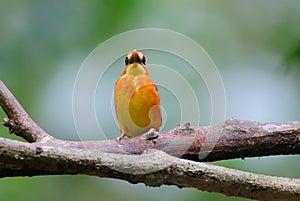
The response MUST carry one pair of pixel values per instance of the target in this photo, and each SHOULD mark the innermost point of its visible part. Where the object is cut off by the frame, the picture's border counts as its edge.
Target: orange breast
(137, 104)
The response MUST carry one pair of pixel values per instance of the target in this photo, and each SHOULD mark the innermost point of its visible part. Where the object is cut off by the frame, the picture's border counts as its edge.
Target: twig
(18, 120)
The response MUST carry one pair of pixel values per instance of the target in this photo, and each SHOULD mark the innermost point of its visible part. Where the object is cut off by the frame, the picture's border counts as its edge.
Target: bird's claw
(152, 134)
(121, 137)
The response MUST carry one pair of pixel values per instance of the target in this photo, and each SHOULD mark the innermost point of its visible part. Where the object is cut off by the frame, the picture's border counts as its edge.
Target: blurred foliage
(38, 38)
(292, 57)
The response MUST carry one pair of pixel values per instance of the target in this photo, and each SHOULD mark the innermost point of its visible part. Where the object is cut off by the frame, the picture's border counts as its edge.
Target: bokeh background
(255, 45)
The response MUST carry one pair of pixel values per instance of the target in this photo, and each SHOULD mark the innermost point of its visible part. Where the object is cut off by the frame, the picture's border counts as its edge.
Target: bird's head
(135, 64)
(134, 56)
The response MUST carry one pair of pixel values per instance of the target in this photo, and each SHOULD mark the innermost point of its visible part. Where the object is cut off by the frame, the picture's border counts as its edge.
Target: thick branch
(233, 139)
(152, 167)
(131, 159)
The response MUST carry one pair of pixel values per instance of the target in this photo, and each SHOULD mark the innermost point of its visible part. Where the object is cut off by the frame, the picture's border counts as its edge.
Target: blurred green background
(255, 45)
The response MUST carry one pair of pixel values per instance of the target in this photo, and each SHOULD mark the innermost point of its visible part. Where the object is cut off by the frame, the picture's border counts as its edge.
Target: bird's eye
(126, 61)
(144, 60)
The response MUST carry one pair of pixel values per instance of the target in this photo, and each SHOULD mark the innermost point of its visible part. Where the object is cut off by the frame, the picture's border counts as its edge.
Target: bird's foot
(152, 134)
(121, 137)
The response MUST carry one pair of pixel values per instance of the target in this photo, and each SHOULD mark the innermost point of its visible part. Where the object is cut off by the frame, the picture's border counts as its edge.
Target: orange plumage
(136, 98)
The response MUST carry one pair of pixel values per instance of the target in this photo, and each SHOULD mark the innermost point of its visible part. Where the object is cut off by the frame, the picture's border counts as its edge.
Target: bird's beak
(134, 57)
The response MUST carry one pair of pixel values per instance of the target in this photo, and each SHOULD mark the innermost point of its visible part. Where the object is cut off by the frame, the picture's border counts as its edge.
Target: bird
(136, 98)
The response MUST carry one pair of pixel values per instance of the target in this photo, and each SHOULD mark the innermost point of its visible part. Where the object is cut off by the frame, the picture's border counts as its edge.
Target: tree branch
(140, 159)
(18, 120)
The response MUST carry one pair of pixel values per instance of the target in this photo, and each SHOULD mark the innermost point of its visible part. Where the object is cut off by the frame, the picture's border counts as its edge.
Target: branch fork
(140, 160)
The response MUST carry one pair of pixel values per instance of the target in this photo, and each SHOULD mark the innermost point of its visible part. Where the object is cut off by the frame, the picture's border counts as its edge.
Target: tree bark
(156, 160)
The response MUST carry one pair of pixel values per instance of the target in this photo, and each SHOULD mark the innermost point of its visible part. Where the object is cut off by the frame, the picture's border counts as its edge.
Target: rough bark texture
(156, 161)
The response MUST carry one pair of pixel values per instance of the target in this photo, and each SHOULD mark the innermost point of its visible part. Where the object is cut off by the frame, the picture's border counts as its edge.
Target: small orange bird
(136, 98)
